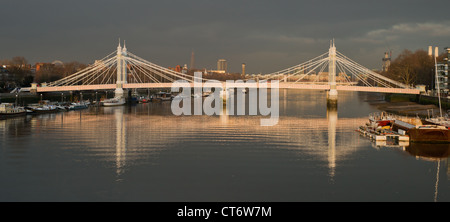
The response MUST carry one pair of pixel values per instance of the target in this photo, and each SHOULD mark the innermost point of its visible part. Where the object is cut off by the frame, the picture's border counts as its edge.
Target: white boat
(61, 107)
(8, 109)
(113, 102)
(45, 109)
(441, 121)
(77, 106)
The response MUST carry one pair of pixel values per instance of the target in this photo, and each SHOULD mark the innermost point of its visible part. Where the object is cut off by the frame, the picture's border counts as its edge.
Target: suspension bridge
(122, 69)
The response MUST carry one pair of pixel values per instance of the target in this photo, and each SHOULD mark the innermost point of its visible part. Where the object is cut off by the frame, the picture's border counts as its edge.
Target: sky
(266, 35)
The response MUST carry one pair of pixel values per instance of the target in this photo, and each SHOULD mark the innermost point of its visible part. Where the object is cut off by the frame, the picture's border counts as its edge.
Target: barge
(384, 127)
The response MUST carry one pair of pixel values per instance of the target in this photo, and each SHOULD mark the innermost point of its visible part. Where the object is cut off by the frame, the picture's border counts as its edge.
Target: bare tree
(413, 68)
(406, 74)
(19, 61)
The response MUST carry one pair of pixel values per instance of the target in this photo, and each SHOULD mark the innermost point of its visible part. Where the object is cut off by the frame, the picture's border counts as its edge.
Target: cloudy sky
(266, 35)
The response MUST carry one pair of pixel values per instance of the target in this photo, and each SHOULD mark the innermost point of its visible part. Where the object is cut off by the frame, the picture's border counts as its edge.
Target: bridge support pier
(332, 99)
(33, 89)
(119, 93)
(224, 94)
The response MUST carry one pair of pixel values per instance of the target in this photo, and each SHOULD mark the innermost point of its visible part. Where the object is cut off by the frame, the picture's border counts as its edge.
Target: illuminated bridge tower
(332, 94)
(121, 71)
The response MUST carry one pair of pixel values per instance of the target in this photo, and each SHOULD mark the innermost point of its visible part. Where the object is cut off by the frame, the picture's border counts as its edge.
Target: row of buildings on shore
(222, 68)
(442, 82)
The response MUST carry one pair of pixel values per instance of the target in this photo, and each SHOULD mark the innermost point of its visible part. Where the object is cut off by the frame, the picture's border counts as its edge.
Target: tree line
(414, 68)
(52, 72)
(16, 72)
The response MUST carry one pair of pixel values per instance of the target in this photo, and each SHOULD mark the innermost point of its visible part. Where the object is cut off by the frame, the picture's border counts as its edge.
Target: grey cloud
(266, 35)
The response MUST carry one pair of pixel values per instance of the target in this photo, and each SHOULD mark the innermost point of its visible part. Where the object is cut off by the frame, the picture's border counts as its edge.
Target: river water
(145, 153)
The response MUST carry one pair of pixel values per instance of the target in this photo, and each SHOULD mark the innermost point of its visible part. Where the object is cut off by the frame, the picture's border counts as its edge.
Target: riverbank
(408, 108)
(411, 105)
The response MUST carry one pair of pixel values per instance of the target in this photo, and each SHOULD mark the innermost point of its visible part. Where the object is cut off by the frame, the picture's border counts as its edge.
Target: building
(442, 73)
(243, 69)
(41, 65)
(177, 68)
(222, 65)
(386, 61)
(216, 71)
(192, 60)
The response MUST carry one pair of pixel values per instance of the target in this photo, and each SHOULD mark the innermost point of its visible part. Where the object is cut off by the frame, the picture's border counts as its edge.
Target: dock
(382, 135)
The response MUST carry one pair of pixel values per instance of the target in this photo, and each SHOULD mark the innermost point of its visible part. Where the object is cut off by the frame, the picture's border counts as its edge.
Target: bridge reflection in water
(124, 138)
(141, 132)
(134, 134)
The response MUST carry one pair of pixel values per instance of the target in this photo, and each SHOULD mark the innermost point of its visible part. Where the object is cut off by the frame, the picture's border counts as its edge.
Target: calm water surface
(144, 153)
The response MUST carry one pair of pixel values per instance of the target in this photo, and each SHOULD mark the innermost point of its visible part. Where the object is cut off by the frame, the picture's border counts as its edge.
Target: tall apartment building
(442, 73)
(222, 65)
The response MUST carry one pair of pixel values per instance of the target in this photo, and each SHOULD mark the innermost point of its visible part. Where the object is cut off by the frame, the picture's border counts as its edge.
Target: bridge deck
(223, 84)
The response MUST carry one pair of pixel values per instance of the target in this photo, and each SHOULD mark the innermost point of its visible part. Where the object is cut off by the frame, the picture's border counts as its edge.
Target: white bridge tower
(332, 94)
(121, 70)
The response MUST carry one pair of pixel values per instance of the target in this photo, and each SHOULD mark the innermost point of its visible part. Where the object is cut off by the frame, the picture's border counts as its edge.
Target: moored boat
(442, 121)
(163, 96)
(9, 110)
(78, 106)
(113, 102)
(45, 109)
(429, 134)
(144, 100)
(383, 125)
(381, 119)
(61, 108)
